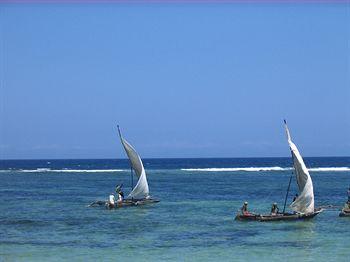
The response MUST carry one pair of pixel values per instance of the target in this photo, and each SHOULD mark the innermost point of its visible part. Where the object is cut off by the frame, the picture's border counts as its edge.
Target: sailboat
(304, 205)
(139, 194)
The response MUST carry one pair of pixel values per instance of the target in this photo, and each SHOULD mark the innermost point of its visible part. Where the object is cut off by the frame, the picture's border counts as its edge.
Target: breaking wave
(211, 169)
(259, 169)
(235, 169)
(329, 169)
(45, 170)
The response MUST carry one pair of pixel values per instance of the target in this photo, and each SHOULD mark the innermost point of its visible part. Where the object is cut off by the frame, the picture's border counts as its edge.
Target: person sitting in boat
(346, 208)
(120, 198)
(274, 209)
(111, 201)
(244, 209)
(121, 194)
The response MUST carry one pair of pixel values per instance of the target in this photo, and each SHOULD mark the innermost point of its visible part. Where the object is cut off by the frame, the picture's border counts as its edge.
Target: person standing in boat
(349, 195)
(274, 209)
(244, 209)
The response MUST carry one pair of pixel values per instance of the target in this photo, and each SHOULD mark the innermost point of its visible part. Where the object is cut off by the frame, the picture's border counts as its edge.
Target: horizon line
(149, 158)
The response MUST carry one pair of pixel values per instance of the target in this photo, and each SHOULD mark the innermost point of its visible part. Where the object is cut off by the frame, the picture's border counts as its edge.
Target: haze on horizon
(182, 80)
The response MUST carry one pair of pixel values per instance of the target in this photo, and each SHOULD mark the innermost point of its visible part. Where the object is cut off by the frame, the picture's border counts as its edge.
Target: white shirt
(120, 198)
(111, 199)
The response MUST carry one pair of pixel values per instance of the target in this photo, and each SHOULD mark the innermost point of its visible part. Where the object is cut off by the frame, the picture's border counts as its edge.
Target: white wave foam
(40, 170)
(213, 169)
(329, 169)
(260, 169)
(235, 169)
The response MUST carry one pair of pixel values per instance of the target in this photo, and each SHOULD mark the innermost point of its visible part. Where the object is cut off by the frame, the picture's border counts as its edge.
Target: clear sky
(182, 80)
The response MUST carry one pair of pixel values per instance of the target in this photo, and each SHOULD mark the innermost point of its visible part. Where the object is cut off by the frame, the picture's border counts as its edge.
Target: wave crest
(45, 170)
(235, 169)
(329, 169)
(265, 169)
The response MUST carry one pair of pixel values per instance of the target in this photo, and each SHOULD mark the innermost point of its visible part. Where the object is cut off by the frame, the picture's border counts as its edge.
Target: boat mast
(290, 179)
(285, 200)
(131, 173)
(132, 177)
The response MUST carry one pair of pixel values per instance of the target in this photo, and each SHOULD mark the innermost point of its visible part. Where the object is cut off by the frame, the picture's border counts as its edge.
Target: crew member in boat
(346, 208)
(274, 209)
(121, 193)
(244, 209)
(111, 201)
(120, 198)
(118, 188)
(295, 197)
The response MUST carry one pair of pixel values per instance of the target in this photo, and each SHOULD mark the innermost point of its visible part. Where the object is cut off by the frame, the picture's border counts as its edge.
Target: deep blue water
(44, 213)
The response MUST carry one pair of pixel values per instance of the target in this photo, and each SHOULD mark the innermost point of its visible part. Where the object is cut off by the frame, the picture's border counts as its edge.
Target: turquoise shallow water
(44, 215)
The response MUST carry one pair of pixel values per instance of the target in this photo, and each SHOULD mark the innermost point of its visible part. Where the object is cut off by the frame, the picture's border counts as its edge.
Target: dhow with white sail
(304, 204)
(139, 194)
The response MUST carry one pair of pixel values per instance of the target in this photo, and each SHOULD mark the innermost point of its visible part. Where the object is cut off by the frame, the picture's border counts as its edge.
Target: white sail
(140, 191)
(305, 201)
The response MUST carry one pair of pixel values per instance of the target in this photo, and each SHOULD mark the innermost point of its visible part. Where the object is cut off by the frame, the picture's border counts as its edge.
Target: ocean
(44, 214)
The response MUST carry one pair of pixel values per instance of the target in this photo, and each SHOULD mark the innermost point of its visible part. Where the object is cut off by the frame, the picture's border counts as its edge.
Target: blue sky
(182, 80)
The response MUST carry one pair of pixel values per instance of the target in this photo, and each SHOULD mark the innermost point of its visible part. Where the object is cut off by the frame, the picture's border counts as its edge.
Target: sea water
(44, 214)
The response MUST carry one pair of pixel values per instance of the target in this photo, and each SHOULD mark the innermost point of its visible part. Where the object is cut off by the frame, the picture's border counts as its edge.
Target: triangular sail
(305, 201)
(140, 191)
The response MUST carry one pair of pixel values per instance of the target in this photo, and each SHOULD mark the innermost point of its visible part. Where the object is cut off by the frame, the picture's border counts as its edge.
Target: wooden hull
(277, 217)
(132, 202)
(344, 213)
